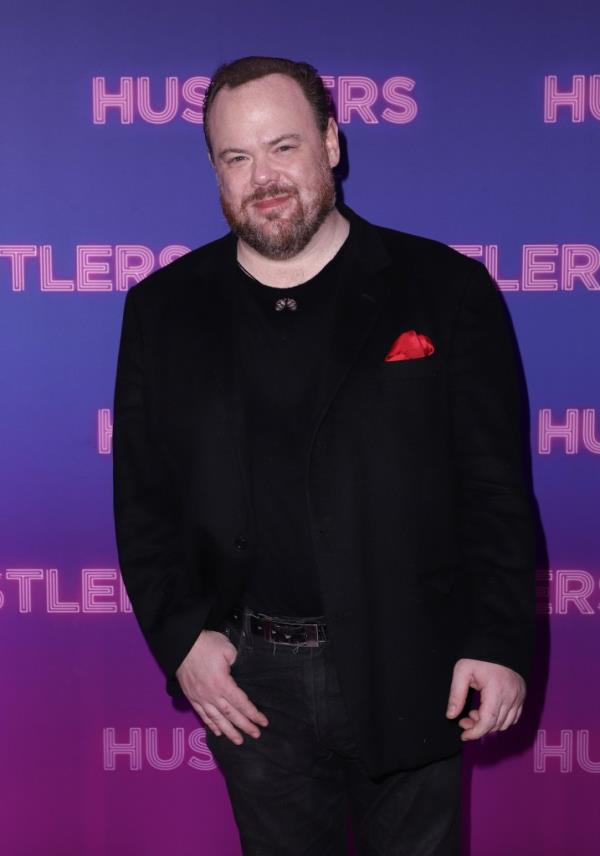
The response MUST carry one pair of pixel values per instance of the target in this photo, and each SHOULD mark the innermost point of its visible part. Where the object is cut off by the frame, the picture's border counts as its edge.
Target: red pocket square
(410, 345)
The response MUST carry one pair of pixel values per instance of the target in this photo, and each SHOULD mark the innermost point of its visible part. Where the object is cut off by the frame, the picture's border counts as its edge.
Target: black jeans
(291, 789)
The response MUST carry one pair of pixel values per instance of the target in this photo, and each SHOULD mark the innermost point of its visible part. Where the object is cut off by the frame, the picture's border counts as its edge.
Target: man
(321, 510)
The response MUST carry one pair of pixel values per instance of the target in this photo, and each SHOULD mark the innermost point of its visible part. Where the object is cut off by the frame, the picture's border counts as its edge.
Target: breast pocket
(424, 367)
(410, 401)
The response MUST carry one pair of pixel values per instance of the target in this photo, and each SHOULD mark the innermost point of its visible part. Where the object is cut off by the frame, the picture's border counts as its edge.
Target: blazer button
(240, 542)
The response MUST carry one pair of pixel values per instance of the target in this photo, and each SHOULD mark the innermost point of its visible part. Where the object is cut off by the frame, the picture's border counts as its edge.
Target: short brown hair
(249, 68)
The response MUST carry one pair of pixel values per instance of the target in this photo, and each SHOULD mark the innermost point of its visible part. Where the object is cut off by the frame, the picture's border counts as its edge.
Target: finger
(509, 719)
(470, 720)
(518, 716)
(239, 699)
(206, 719)
(237, 718)
(502, 714)
(224, 724)
(472, 717)
(512, 709)
(458, 693)
(488, 716)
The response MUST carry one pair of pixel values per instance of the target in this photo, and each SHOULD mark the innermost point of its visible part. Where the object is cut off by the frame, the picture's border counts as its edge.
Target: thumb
(231, 654)
(458, 692)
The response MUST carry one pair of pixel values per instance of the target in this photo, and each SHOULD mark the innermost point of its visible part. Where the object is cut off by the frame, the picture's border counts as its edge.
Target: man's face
(273, 166)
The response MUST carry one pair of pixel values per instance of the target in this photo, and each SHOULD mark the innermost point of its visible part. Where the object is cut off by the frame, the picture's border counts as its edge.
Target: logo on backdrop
(95, 268)
(544, 267)
(34, 590)
(115, 268)
(163, 100)
(569, 432)
(565, 753)
(567, 592)
(573, 101)
(144, 748)
(102, 591)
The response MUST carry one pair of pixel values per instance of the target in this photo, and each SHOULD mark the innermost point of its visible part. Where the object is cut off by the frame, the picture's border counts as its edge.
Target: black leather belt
(275, 630)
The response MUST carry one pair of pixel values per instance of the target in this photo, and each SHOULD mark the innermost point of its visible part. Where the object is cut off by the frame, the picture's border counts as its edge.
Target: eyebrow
(274, 142)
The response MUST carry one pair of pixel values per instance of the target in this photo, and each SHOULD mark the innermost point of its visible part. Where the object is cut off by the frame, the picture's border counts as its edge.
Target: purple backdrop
(476, 124)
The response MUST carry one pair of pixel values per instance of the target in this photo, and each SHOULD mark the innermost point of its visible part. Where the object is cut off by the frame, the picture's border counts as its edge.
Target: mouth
(273, 202)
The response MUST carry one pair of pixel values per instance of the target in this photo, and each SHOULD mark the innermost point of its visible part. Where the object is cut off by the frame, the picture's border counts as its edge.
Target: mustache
(269, 193)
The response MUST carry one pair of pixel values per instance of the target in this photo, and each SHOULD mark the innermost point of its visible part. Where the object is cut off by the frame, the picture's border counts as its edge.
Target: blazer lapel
(215, 321)
(362, 298)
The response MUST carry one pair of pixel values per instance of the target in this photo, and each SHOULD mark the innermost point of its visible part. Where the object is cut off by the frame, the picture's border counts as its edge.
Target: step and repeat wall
(475, 124)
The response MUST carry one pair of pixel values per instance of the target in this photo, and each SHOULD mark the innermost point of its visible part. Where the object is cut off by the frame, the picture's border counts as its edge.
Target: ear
(332, 144)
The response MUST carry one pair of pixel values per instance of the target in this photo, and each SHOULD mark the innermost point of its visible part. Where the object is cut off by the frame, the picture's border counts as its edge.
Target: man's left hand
(501, 691)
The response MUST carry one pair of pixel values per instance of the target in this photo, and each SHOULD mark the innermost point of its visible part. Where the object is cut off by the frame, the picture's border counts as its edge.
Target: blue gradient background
(477, 165)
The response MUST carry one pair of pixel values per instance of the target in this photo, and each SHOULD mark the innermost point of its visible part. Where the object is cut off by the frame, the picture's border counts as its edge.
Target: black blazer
(416, 480)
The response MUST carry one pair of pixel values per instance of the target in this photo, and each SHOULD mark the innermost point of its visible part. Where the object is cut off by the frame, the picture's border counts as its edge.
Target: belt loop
(312, 635)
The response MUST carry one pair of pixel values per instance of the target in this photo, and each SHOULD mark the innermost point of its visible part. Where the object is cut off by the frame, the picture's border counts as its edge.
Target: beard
(283, 237)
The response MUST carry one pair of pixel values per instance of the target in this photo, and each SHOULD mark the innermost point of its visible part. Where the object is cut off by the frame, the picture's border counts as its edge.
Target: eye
(236, 159)
(285, 147)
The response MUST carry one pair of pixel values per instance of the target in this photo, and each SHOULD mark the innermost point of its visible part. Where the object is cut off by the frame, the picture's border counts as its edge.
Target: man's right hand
(205, 678)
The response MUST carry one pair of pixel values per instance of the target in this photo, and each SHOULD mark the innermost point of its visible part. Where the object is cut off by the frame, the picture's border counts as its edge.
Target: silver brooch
(286, 303)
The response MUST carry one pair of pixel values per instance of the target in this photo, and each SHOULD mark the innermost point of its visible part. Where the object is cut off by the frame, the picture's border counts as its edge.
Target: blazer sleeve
(491, 458)
(170, 610)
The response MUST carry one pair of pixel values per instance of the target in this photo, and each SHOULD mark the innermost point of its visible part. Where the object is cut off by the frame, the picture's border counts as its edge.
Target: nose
(263, 170)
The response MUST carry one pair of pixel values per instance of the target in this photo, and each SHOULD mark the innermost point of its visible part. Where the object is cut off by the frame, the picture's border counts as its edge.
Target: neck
(321, 248)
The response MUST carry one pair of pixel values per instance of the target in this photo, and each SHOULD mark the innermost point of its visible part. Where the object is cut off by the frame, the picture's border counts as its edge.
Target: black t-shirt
(280, 354)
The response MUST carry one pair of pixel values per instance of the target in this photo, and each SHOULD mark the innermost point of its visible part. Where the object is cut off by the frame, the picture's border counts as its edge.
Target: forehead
(271, 104)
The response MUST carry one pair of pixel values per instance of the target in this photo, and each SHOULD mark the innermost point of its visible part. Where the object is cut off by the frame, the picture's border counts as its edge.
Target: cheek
(308, 177)
(231, 189)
